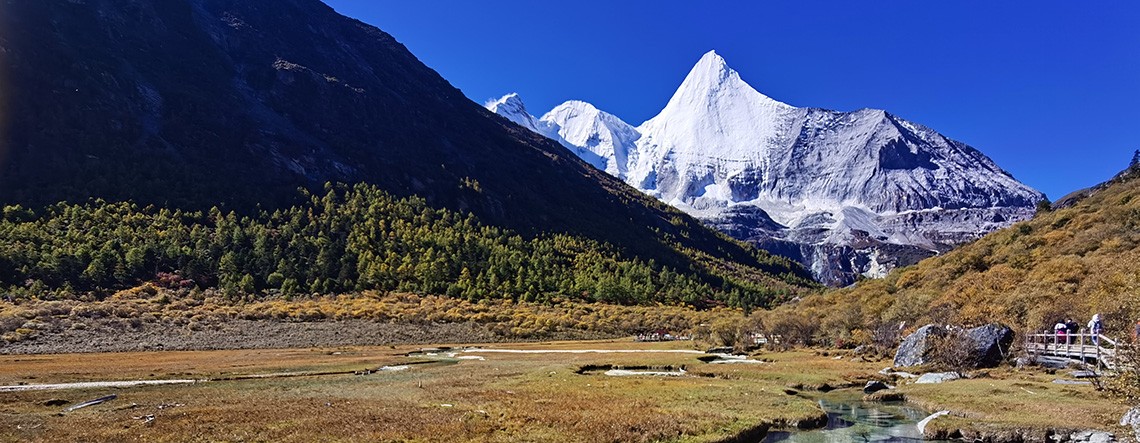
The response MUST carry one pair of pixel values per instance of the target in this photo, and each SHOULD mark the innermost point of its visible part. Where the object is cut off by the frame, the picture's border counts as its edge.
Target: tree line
(350, 238)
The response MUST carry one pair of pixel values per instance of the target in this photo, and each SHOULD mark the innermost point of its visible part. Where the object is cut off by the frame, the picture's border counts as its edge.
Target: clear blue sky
(1048, 89)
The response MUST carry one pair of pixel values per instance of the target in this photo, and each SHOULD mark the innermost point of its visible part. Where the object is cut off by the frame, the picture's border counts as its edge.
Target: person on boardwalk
(1095, 328)
(1059, 329)
(1071, 329)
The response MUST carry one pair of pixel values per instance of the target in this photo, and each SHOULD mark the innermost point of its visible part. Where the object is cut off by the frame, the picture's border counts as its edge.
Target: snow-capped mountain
(511, 106)
(846, 193)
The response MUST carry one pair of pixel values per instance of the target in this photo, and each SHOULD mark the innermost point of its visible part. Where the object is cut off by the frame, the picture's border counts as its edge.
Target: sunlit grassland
(1008, 399)
(506, 397)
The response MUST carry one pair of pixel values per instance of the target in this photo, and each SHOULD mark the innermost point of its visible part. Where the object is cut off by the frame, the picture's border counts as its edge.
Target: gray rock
(1132, 419)
(874, 386)
(1021, 362)
(1092, 437)
(991, 344)
(1102, 437)
(1082, 374)
(937, 377)
(916, 347)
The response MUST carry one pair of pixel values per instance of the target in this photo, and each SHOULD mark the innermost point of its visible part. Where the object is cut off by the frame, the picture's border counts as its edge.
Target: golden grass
(1019, 400)
(507, 397)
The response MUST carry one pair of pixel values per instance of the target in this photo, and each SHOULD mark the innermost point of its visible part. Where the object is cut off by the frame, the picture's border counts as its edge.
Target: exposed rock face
(916, 347)
(991, 344)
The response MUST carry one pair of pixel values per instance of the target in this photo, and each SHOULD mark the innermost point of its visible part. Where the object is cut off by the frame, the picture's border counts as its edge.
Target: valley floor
(490, 393)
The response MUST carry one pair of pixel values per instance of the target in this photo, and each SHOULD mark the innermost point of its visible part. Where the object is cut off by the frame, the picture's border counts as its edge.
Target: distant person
(1059, 329)
(1095, 327)
(1071, 329)
(1136, 331)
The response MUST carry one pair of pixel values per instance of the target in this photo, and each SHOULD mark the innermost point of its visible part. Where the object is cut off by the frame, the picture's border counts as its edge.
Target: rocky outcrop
(991, 344)
(915, 348)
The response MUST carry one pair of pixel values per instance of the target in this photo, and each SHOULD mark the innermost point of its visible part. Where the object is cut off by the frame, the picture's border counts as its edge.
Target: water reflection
(849, 419)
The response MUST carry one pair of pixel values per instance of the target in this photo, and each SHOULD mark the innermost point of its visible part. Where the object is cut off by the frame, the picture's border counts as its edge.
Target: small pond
(849, 419)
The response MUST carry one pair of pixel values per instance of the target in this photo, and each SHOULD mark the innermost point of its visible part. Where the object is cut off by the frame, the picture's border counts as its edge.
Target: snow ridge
(851, 187)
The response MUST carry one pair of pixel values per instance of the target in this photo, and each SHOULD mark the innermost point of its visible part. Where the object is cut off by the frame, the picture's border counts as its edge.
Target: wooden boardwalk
(1096, 350)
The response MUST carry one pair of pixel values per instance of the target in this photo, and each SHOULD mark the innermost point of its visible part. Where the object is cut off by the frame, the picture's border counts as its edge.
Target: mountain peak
(711, 71)
(712, 84)
(577, 105)
(511, 106)
(509, 101)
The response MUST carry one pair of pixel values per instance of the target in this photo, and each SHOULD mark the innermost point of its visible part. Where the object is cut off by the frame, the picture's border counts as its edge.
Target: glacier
(847, 194)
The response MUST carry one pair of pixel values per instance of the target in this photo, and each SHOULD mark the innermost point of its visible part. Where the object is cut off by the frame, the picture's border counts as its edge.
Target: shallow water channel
(849, 419)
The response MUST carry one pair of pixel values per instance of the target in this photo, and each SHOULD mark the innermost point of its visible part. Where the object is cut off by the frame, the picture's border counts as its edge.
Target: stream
(849, 419)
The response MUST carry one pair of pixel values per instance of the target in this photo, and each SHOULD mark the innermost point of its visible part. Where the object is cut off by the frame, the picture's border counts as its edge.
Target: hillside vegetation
(1071, 262)
(354, 239)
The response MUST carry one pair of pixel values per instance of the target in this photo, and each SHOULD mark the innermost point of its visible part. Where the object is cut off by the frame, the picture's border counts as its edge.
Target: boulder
(916, 347)
(874, 386)
(937, 377)
(1131, 420)
(991, 344)
(1102, 437)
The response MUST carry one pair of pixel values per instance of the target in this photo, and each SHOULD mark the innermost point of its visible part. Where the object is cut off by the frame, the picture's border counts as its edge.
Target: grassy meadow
(501, 397)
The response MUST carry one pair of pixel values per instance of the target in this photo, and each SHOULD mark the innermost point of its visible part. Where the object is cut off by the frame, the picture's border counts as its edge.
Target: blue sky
(1048, 89)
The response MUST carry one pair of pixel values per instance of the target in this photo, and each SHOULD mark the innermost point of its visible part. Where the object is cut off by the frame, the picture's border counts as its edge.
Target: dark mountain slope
(196, 103)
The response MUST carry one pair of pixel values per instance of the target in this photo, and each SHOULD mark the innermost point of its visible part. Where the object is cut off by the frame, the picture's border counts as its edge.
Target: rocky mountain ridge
(845, 193)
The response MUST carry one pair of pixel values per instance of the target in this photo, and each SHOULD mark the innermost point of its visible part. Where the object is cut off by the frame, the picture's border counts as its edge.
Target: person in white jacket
(1095, 328)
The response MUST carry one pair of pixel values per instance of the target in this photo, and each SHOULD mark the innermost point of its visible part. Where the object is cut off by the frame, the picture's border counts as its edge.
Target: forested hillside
(193, 104)
(354, 239)
(1070, 262)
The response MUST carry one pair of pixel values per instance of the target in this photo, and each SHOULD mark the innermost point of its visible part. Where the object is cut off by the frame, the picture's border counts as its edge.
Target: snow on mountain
(580, 126)
(846, 193)
(511, 106)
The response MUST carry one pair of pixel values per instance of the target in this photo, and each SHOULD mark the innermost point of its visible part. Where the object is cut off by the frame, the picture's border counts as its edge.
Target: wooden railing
(1088, 348)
